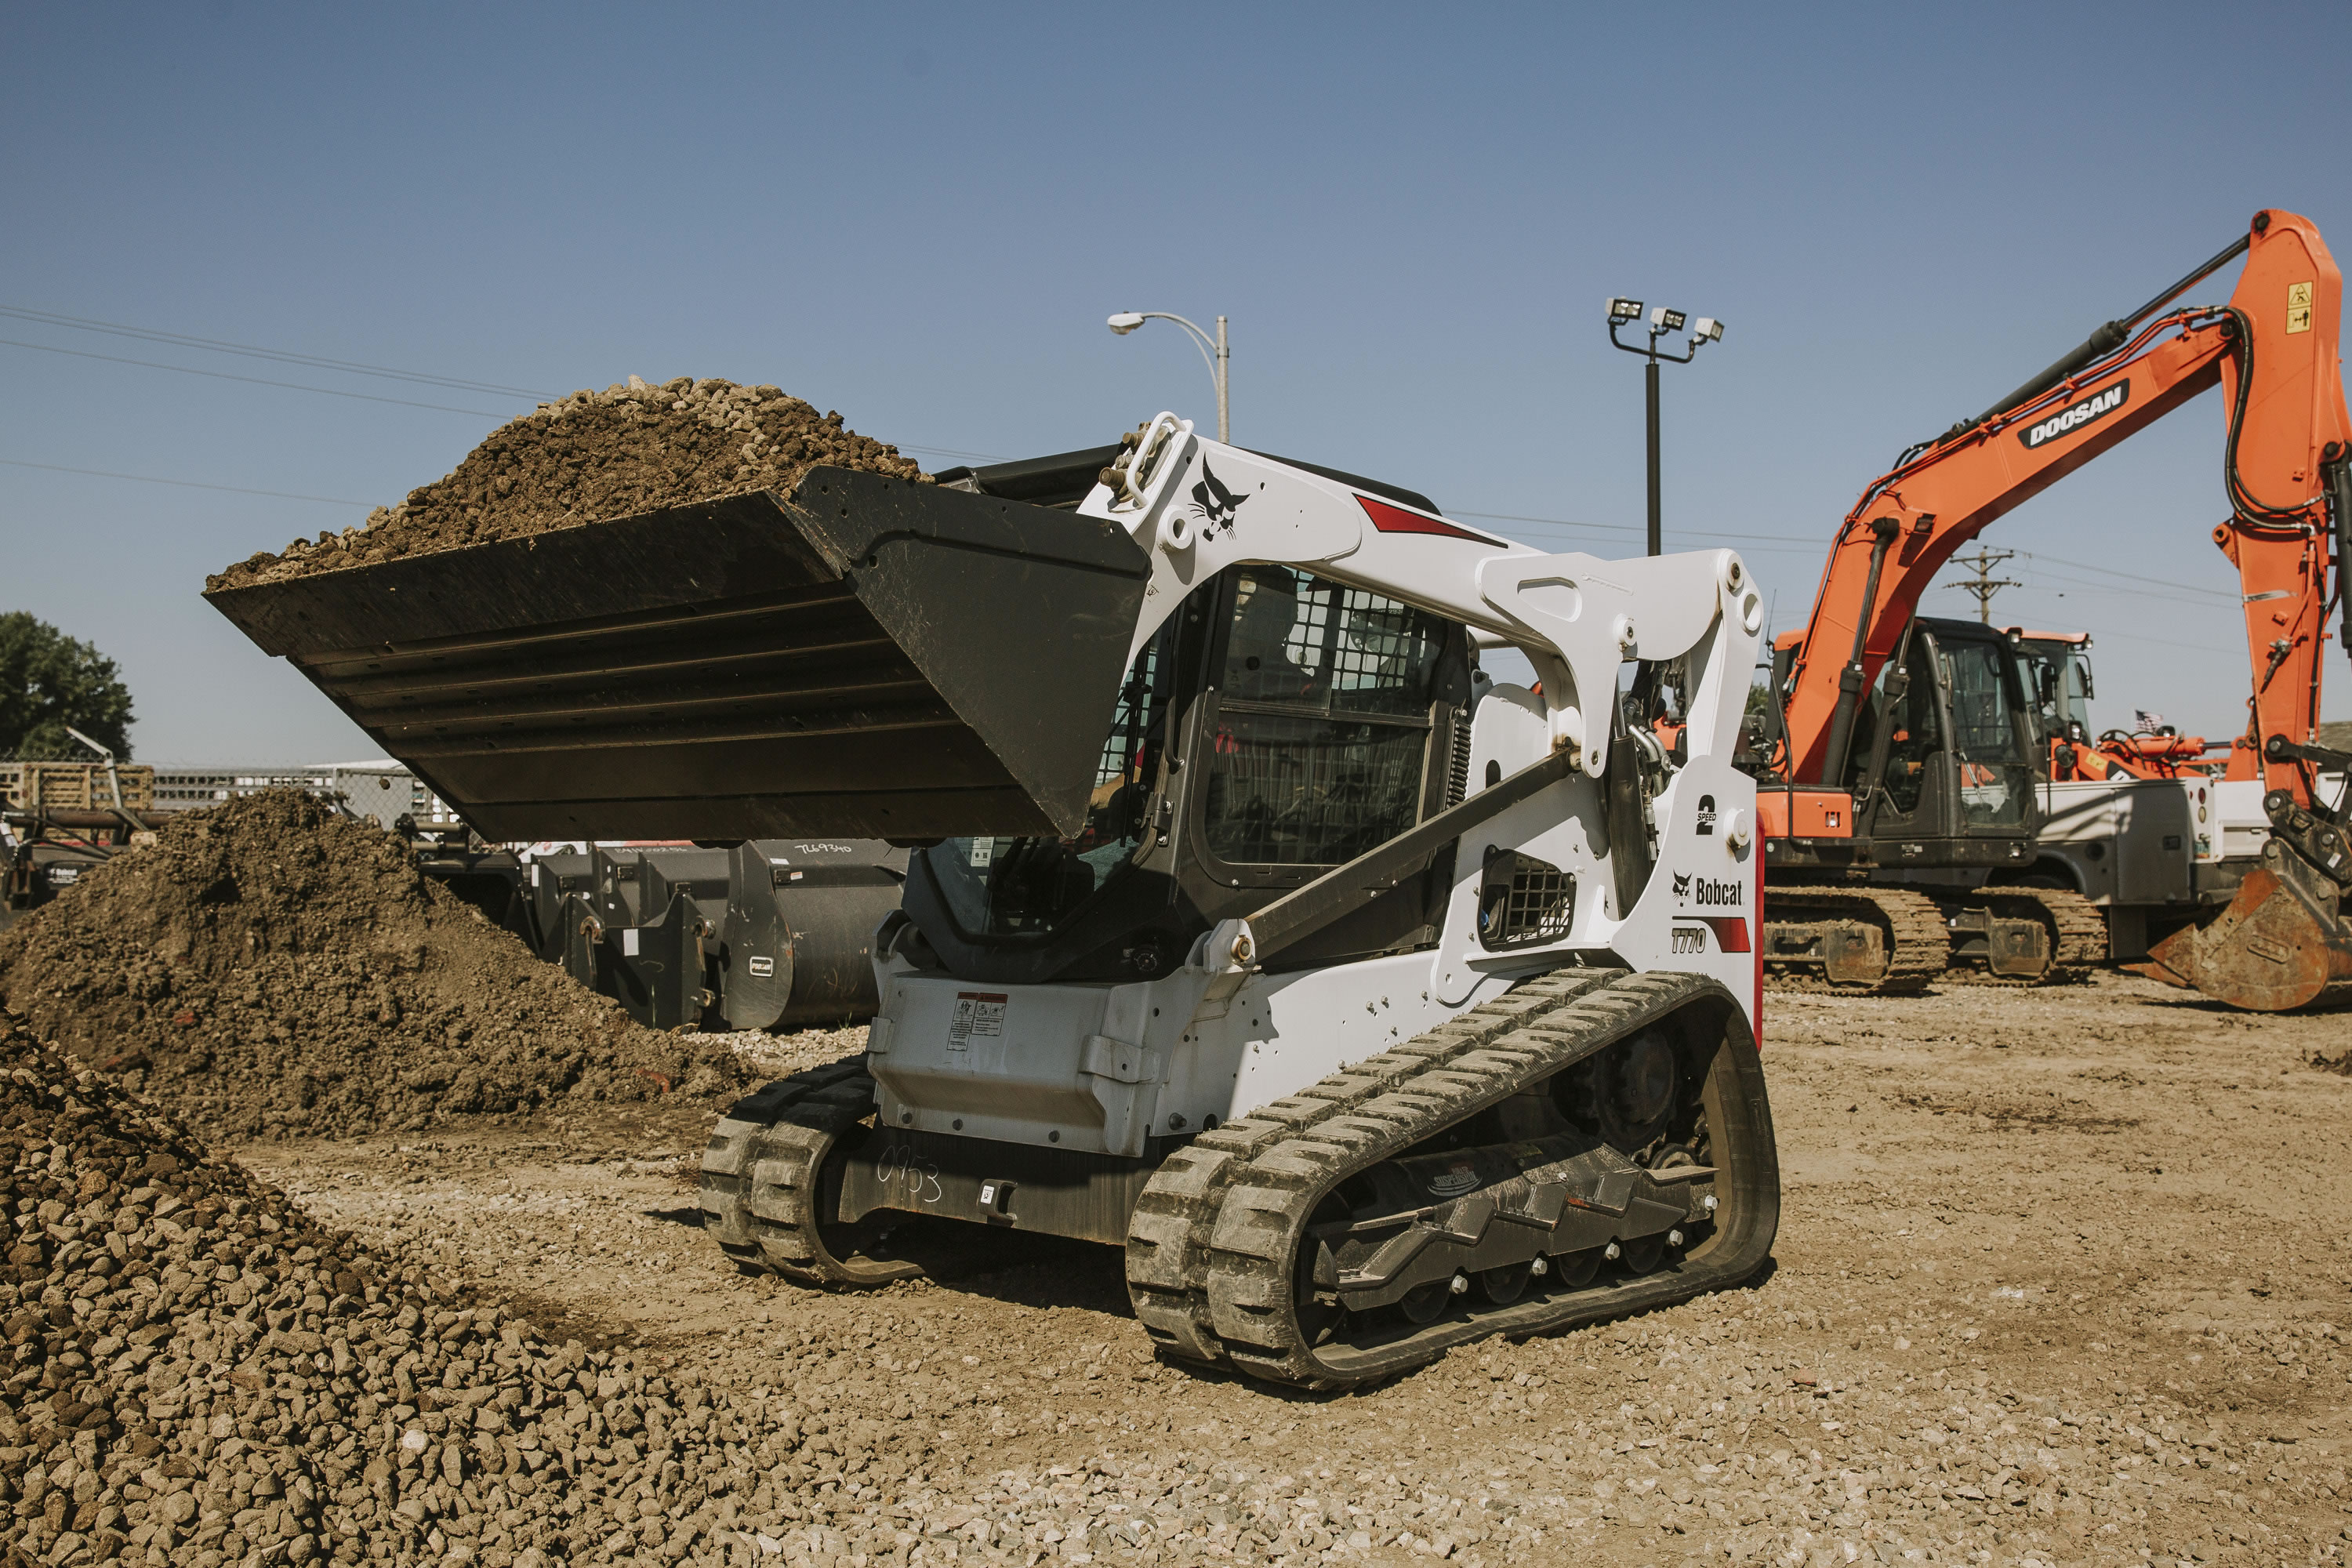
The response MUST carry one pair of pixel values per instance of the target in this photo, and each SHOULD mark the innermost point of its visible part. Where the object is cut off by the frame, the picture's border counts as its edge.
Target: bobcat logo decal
(1682, 884)
(1213, 504)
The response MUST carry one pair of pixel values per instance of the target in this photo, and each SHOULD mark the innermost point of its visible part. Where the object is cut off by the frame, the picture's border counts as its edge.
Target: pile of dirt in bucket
(271, 967)
(593, 457)
(202, 1374)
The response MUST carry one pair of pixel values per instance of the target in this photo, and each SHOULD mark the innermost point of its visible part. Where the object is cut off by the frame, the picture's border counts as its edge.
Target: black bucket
(871, 658)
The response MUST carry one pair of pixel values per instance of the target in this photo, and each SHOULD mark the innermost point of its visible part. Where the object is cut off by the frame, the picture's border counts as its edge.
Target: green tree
(49, 680)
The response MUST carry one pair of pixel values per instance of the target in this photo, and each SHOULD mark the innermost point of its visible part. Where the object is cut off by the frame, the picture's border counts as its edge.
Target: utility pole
(1983, 585)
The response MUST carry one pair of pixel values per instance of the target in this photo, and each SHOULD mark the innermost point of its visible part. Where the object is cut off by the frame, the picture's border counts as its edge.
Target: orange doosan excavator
(1898, 807)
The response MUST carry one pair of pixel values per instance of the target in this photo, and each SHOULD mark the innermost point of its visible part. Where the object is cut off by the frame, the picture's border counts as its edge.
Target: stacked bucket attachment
(765, 934)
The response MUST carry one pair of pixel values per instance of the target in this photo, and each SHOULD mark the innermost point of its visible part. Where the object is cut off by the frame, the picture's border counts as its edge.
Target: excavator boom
(2272, 350)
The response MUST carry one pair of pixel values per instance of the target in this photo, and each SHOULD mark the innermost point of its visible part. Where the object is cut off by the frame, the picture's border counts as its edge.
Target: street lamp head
(1623, 310)
(1667, 320)
(1707, 328)
(1125, 323)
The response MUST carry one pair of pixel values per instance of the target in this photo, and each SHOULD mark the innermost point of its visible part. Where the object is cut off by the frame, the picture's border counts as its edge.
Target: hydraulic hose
(2110, 337)
(1849, 678)
(2337, 475)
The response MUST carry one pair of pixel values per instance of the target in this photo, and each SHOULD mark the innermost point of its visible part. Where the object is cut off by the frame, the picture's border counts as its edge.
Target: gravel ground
(270, 966)
(2030, 1304)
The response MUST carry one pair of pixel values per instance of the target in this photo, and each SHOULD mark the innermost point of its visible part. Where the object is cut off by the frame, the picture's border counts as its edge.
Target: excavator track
(2077, 930)
(765, 1183)
(1892, 941)
(1278, 1245)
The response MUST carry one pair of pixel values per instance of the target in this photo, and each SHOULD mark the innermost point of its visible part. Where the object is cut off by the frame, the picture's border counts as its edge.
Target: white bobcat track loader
(1367, 1018)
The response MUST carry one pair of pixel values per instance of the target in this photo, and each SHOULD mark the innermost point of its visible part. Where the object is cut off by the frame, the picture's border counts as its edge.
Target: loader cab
(1279, 724)
(1945, 749)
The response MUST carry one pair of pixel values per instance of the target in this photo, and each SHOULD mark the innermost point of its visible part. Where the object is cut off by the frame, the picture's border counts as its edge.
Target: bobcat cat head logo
(1215, 504)
(1681, 885)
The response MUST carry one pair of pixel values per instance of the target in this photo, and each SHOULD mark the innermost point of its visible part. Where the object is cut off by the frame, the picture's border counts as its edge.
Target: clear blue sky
(920, 216)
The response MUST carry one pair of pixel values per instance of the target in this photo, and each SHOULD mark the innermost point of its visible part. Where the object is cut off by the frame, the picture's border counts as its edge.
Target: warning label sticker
(979, 1015)
(2298, 307)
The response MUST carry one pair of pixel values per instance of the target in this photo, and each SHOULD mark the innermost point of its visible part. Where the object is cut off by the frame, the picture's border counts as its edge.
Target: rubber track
(760, 1174)
(1919, 950)
(1212, 1243)
(2080, 929)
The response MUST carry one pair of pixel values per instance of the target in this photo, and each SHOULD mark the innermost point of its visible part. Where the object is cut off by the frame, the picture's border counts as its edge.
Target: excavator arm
(2273, 351)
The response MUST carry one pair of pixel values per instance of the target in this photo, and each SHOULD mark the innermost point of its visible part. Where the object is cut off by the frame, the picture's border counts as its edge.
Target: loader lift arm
(2273, 349)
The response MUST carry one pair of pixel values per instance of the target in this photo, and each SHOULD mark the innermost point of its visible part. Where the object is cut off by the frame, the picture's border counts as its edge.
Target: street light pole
(1225, 387)
(1707, 330)
(1658, 517)
(1216, 351)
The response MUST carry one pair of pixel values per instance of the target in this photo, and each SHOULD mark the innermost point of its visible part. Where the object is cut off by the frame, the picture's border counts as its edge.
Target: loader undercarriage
(1590, 1143)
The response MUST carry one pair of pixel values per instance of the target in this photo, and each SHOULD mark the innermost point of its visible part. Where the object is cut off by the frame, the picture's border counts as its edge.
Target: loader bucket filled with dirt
(875, 656)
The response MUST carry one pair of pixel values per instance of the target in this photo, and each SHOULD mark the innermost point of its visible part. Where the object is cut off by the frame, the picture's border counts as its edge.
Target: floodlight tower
(1705, 330)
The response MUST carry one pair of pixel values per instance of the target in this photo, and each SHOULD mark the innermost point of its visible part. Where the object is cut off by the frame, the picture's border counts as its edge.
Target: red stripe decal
(1396, 520)
(1730, 932)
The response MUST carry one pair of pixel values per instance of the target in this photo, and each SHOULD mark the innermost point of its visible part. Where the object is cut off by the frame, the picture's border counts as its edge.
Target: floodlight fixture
(1125, 322)
(1661, 322)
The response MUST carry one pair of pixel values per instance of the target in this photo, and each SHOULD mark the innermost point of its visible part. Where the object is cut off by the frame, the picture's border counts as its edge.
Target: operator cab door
(1949, 751)
(1328, 726)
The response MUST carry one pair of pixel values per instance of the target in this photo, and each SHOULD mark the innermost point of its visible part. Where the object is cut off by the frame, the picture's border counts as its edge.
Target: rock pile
(271, 967)
(202, 1375)
(594, 456)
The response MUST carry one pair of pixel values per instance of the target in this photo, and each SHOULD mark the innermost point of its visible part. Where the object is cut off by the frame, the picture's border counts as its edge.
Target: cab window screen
(1323, 720)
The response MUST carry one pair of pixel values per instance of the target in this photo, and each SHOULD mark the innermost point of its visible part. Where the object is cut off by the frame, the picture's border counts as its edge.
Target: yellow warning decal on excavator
(2298, 307)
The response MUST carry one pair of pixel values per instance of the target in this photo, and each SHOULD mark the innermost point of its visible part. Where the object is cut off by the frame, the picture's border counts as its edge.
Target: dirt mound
(594, 456)
(202, 1374)
(271, 967)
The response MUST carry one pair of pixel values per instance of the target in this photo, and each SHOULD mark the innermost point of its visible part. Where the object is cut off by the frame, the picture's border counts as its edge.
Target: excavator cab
(1944, 748)
(2058, 677)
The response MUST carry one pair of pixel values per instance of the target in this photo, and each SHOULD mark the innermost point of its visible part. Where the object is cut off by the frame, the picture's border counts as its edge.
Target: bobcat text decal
(1708, 893)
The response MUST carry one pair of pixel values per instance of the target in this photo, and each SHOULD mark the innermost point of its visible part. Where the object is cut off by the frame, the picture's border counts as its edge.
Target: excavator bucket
(868, 658)
(2280, 944)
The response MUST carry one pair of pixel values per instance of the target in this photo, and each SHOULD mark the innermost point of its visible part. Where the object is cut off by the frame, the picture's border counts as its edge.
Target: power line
(253, 380)
(2132, 576)
(184, 484)
(1624, 527)
(949, 452)
(218, 346)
